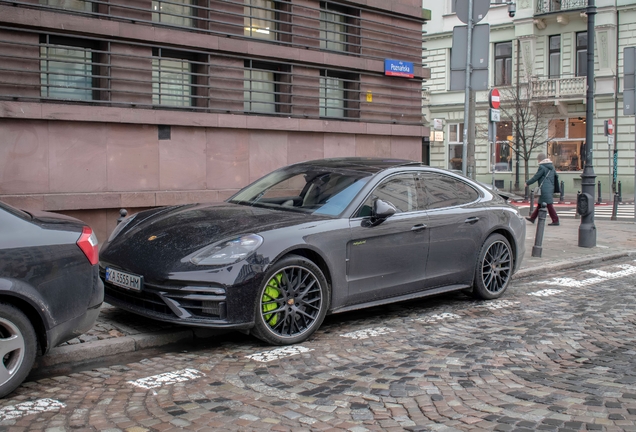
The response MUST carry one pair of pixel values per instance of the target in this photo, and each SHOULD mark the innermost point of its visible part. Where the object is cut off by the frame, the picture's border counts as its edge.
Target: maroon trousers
(551, 210)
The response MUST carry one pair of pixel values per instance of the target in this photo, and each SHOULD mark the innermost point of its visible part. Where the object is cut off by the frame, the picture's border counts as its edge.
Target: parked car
(50, 290)
(313, 238)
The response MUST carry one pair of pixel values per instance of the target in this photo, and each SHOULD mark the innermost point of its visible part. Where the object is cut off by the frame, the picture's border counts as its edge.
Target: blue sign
(398, 68)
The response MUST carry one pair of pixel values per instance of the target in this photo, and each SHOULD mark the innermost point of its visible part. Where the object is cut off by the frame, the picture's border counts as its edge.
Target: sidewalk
(119, 332)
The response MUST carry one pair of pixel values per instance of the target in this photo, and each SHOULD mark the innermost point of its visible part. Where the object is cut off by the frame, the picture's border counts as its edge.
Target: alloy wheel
(496, 267)
(291, 301)
(12, 349)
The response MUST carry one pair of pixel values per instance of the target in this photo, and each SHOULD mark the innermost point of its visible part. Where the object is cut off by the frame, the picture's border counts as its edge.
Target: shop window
(77, 5)
(266, 88)
(566, 147)
(503, 152)
(174, 12)
(67, 68)
(339, 94)
(173, 76)
(339, 28)
(503, 63)
(455, 146)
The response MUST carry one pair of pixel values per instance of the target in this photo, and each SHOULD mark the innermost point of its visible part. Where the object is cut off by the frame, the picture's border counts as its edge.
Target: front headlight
(120, 226)
(228, 251)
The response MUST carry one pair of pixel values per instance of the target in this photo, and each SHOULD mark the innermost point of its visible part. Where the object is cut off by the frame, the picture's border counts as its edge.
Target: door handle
(418, 227)
(471, 220)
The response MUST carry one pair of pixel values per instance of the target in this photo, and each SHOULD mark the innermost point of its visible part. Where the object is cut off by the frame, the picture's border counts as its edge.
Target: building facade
(137, 103)
(540, 55)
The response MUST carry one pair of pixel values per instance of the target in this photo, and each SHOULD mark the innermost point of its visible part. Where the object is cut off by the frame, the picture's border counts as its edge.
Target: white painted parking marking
(545, 293)
(367, 333)
(20, 410)
(438, 317)
(278, 353)
(601, 276)
(167, 378)
(498, 304)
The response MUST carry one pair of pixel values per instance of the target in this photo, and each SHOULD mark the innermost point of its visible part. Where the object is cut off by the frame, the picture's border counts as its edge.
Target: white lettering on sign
(167, 378)
(20, 410)
(278, 353)
(367, 333)
(601, 276)
(438, 317)
(545, 293)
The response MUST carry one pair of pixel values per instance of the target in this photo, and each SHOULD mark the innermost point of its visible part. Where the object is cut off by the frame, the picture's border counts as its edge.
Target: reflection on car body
(313, 238)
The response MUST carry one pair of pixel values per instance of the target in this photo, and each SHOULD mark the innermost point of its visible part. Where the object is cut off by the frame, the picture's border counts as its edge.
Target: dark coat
(546, 171)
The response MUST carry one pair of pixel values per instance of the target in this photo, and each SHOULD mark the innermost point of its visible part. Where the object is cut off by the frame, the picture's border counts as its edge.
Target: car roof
(367, 165)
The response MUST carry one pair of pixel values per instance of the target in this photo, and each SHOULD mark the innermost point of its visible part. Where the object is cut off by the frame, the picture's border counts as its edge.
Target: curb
(83, 352)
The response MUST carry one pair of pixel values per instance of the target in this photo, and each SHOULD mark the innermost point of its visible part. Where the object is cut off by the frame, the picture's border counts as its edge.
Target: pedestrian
(545, 179)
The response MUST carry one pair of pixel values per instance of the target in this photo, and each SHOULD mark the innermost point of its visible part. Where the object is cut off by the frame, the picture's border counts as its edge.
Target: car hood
(160, 239)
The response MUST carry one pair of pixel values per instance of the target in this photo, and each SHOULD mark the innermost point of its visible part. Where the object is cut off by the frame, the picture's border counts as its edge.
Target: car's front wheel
(494, 268)
(292, 302)
(17, 348)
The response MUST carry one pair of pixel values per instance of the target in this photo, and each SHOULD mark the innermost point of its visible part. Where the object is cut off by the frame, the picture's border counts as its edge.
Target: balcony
(559, 88)
(551, 6)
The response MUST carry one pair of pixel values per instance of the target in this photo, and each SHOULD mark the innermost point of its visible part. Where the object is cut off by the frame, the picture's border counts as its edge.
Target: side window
(445, 191)
(399, 190)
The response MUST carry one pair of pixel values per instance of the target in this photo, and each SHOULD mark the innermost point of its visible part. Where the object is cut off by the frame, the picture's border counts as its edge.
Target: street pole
(469, 68)
(517, 117)
(587, 230)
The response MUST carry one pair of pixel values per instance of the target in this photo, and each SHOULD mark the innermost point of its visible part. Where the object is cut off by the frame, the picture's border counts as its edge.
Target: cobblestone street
(555, 353)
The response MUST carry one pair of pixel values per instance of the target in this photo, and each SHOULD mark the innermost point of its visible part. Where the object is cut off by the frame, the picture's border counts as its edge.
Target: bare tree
(530, 118)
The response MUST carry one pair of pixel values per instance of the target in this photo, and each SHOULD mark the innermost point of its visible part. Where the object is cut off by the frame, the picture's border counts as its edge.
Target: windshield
(304, 188)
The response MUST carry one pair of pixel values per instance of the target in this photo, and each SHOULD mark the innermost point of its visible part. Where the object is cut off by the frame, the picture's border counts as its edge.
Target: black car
(50, 290)
(313, 238)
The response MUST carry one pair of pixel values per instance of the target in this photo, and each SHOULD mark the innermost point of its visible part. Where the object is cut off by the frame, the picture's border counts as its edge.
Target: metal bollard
(538, 239)
(525, 196)
(599, 192)
(562, 194)
(576, 211)
(620, 192)
(122, 215)
(531, 203)
(510, 190)
(615, 208)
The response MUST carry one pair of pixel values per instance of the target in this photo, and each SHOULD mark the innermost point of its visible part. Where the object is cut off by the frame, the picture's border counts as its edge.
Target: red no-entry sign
(493, 98)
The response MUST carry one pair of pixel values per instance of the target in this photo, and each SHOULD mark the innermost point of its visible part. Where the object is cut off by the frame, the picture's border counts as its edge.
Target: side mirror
(383, 209)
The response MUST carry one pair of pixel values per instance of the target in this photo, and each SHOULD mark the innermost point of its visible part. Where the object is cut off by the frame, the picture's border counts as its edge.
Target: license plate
(123, 279)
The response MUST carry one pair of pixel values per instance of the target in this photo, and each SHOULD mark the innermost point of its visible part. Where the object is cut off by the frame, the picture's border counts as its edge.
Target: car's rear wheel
(494, 268)
(292, 302)
(17, 348)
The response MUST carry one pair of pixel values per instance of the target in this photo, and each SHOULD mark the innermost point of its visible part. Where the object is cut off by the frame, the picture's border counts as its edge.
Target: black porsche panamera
(310, 239)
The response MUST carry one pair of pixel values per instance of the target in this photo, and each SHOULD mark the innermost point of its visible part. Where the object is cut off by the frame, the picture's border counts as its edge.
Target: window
(66, 68)
(77, 5)
(502, 153)
(503, 63)
(581, 54)
(260, 18)
(174, 12)
(555, 56)
(455, 146)
(399, 190)
(339, 28)
(266, 88)
(339, 94)
(446, 191)
(173, 74)
(566, 147)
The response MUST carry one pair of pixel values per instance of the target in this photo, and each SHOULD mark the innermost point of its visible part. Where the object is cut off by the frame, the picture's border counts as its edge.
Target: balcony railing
(556, 88)
(548, 6)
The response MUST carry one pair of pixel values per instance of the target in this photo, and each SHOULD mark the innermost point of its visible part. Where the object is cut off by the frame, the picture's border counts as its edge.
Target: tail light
(88, 244)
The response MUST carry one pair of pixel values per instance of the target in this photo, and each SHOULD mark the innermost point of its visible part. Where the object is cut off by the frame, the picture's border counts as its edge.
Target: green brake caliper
(271, 293)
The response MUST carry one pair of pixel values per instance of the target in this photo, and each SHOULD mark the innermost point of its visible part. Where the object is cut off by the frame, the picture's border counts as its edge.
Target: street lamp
(587, 230)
